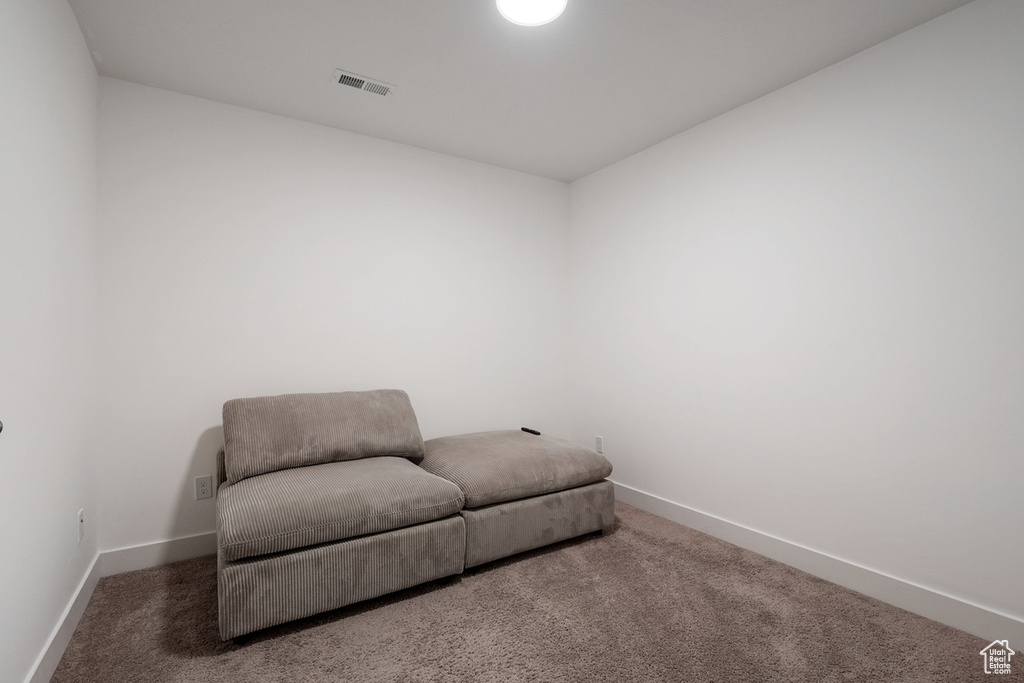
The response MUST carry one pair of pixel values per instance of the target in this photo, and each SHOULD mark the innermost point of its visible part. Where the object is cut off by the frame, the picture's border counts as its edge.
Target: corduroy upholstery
(501, 530)
(321, 505)
(523, 491)
(494, 467)
(304, 506)
(261, 592)
(270, 433)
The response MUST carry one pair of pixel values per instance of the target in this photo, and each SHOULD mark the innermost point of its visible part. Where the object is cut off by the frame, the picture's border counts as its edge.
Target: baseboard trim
(49, 658)
(985, 622)
(147, 555)
(106, 564)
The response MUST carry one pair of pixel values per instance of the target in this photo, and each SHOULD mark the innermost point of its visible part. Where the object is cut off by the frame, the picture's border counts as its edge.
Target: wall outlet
(204, 487)
(81, 524)
(599, 444)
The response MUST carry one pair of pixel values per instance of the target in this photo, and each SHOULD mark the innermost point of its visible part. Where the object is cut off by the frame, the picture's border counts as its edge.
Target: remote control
(531, 431)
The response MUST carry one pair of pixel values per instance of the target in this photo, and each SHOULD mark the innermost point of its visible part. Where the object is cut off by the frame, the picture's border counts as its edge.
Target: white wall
(47, 320)
(246, 254)
(807, 316)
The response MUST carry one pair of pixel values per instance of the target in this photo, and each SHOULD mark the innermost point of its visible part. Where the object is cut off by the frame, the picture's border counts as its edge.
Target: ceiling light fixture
(531, 12)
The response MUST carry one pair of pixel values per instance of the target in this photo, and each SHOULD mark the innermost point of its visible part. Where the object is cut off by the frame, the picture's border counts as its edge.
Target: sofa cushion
(270, 433)
(304, 506)
(494, 467)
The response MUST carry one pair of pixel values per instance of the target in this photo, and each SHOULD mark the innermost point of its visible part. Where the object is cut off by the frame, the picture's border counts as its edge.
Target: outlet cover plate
(204, 487)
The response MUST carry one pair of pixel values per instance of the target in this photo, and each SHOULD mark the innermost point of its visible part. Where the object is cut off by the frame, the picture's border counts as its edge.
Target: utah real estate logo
(997, 657)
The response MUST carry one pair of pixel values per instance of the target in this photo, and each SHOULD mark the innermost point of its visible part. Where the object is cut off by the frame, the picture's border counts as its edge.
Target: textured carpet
(648, 601)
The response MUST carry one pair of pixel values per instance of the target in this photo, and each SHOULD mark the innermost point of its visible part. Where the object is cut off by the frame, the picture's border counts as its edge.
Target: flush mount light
(531, 12)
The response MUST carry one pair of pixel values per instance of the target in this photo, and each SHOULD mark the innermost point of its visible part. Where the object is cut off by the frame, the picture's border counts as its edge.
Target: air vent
(362, 83)
(345, 79)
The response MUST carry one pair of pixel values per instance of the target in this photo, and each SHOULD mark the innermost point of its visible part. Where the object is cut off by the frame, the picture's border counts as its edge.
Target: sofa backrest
(269, 433)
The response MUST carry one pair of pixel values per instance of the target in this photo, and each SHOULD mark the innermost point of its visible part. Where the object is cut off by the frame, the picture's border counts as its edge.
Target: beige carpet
(649, 601)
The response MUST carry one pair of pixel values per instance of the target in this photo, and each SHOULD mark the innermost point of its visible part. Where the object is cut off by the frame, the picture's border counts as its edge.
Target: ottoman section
(505, 529)
(523, 491)
(496, 467)
(304, 506)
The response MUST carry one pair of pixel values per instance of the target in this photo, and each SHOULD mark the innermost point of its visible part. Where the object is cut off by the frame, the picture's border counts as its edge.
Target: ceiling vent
(362, 83)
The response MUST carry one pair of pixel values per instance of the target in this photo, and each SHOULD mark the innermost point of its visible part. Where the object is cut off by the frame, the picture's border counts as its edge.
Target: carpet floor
(648, 601)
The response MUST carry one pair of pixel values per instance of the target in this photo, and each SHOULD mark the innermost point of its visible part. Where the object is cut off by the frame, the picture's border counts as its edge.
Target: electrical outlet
(81, 524)
(204, 487)
(599, 444)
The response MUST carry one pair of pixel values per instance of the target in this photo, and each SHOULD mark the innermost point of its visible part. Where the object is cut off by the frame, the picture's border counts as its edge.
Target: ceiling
(605, 80)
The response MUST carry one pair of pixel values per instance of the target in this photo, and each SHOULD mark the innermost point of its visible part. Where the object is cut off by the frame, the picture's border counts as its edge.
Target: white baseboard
(985, 622)
(49, 658)
(106, 564)
(155, 554)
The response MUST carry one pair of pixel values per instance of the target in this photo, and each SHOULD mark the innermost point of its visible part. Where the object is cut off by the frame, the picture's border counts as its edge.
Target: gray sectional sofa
(328, 499)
